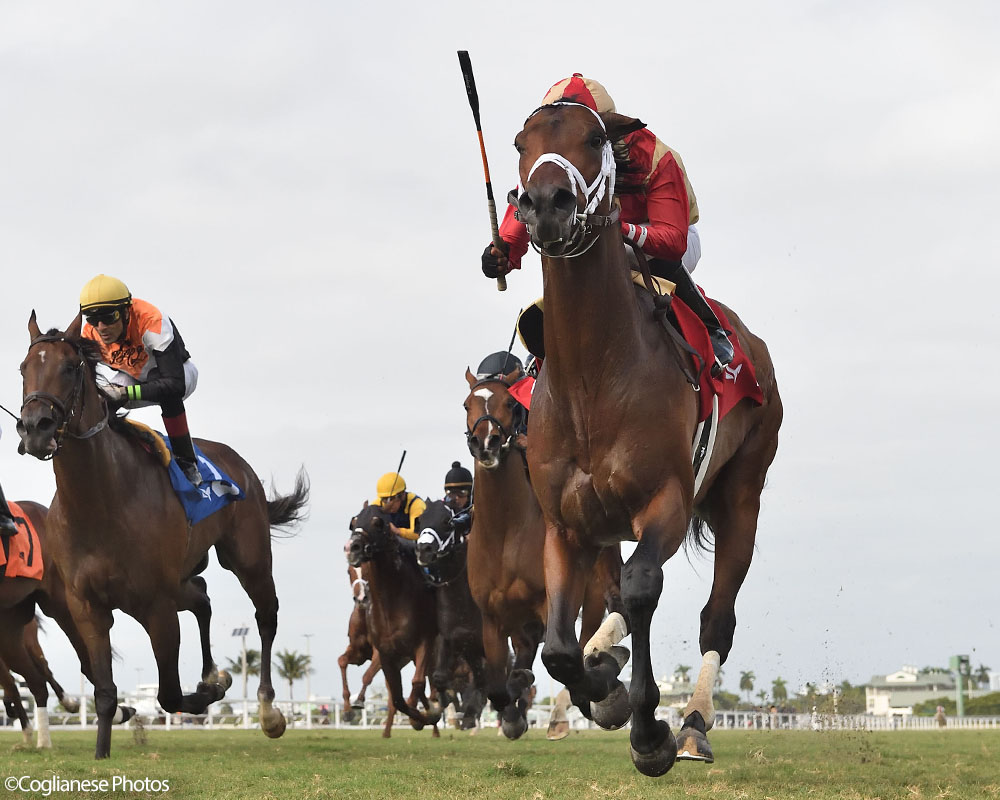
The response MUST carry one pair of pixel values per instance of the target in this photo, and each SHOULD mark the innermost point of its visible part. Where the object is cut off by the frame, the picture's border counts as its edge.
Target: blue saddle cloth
(217, 489)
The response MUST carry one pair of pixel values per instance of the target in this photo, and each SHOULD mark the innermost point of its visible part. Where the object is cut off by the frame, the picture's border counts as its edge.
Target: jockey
(458, 487)
(144, 361)
(403, 507)
(658, 210)
(8, 527)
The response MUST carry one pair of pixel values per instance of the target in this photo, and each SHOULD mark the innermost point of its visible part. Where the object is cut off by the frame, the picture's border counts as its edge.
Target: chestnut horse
(359, 646)
(505, 554)
(402, 616)
(25, 657)
(442, 551)
(122, 541)
(611, 429)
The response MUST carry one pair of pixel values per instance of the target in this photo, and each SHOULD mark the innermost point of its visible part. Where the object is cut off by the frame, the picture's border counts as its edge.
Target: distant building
(898, 692)
(995, 681)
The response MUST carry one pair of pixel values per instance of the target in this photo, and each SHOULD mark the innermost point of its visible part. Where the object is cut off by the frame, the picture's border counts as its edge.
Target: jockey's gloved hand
(495, 265)
(115, 393)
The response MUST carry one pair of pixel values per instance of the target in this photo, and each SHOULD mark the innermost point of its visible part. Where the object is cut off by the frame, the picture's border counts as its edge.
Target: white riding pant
(690, 258)
(109, 375)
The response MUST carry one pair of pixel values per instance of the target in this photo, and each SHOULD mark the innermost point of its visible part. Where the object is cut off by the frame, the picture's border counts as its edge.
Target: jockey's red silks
(522, 389)
(176, 426)
(25, 559)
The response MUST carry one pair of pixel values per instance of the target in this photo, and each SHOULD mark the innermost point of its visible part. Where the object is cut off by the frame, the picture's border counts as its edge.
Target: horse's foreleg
(343, 662)
(567, 568)
(660, 529)
(193, 597)
(374, 668)
(160, 622)
(94, 628)
(497, 660)
(422, 659)
(394, 685)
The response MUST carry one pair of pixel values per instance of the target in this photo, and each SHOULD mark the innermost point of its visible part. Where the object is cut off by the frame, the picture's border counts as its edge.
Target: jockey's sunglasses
(457, 493)
(109, 317)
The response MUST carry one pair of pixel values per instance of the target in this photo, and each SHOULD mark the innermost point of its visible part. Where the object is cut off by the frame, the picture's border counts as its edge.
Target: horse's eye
(597, 141)
(511, 402)
(519, 148)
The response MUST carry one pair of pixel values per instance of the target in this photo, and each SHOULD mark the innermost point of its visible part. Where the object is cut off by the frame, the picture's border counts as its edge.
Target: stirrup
(191, 471)
(8, 527)
(723, 350)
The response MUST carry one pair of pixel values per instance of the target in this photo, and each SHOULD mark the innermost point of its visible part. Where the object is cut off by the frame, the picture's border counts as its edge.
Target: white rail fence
(326, 713)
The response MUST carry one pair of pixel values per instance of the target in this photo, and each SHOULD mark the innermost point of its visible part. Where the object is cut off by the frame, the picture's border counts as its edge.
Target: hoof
(519, 680)
(514, 729)
(433, 713)
(692, 745)
(225, 680)
(416, 724)
(658, 761)
(70, 704)
(274, 726)
(348, 715)
(212, 692)
(557, 731)
(613, 711)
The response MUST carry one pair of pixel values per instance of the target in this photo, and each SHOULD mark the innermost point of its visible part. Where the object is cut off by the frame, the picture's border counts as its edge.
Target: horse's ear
(33, 330)
(511, 377)
(470, 377)
(73, 331)
(619, 125)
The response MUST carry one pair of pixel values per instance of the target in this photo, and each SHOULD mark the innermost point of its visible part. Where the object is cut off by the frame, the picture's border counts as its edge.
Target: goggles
(109, 316)
(457, 493)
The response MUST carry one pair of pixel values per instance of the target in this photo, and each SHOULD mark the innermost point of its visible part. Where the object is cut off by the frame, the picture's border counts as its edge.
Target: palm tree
(292, 666)
(746, 683)
(682, 670)
(982, 675)
(779, 691)
(235, 665)
(762, 696)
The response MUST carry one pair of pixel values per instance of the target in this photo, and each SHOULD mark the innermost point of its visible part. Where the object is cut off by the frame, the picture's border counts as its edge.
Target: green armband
(134, 392)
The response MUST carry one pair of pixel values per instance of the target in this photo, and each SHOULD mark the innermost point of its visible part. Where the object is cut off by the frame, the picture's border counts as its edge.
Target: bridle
(374, 542)
(585, 221)
(448, 550)
(67, 408)
(517, 423)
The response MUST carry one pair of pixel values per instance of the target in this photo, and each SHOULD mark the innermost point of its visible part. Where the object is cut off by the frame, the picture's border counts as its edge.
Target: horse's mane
(88, 348)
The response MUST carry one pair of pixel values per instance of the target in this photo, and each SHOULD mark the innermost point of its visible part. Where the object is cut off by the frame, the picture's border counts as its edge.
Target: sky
(300, 189)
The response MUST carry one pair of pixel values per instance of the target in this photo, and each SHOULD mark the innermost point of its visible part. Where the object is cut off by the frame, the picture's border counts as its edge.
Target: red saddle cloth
(21, 555)
(738, 379)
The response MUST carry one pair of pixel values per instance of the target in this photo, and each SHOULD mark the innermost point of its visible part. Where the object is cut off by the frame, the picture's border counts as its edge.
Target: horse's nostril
(524, 202)
(565, 201)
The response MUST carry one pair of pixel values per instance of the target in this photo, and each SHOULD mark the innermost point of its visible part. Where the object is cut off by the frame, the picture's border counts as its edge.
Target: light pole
(309, 711)
(242, 633)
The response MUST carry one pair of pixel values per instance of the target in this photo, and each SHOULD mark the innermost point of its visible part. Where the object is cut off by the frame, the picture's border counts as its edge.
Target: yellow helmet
(389, 485)
(104, 291)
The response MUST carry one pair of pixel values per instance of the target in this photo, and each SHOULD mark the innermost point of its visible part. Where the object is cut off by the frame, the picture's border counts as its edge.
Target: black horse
(442, 553)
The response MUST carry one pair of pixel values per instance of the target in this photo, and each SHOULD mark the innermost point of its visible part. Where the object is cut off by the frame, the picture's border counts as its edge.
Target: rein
(517, 423)
(66, 409)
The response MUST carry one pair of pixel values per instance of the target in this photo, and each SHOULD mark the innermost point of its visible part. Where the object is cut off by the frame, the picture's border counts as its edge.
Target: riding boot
(8, 527)
(692, 297)
(183, 447)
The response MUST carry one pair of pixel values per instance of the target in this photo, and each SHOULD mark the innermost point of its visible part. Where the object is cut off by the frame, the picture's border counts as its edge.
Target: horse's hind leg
(34, 648)
(374, 668)
(246, 551)
(18, 659)
(734, 520)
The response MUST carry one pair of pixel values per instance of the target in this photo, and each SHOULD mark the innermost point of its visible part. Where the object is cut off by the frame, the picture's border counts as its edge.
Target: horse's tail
(290, 509)
(697, 536)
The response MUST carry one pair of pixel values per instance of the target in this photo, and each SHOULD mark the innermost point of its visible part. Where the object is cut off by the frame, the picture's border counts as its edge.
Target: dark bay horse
(120, 537)
(506, 544)
(442, 550)
(25, 657)
(402, 614)
(359, 646)
(611, 430)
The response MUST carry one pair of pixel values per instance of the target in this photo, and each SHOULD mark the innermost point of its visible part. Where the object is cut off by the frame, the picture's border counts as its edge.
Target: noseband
(66, 409)
(582, 236)
(437, 573)
(516, 426)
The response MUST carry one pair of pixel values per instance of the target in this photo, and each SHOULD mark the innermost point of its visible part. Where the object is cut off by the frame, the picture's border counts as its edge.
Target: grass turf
(360, 764)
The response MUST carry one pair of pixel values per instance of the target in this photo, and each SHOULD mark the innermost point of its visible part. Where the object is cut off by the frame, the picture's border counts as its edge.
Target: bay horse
(611, 428)
(359, 646)
(401, 616)
(121, 539)
(506, 575)
(442, 551)
(25, 657)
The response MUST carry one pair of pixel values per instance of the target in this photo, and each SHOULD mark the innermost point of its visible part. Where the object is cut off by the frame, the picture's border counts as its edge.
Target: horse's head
(370, 535)
(59, 390)
(567, 169)
(493, 418)
(442, 533)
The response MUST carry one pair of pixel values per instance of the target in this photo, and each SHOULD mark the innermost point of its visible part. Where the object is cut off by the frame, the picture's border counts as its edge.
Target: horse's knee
(105, 701)
(718, 626)
(169, 701)
(642, 583)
